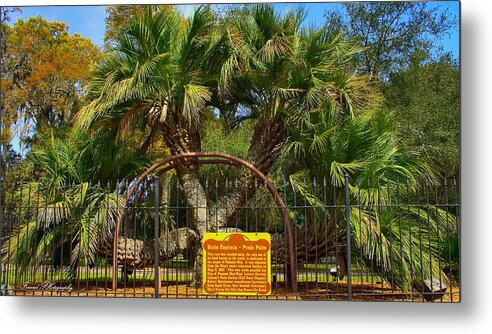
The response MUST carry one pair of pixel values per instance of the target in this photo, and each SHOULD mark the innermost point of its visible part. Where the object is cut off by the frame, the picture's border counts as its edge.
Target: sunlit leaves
(47, 67)
(195, 98)
(158, 64)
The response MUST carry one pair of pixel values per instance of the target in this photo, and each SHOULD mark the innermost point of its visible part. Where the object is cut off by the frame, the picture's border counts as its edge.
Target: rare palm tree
(167, 71)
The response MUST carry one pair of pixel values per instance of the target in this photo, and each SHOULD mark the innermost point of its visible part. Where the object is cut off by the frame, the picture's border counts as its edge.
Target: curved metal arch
(223, 159)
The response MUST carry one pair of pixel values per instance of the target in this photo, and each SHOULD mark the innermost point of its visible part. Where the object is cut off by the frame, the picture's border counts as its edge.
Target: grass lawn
(179, 273)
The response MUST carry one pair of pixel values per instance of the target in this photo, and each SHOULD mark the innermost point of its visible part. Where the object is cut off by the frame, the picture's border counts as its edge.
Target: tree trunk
(181, 138)
(138, 254)
(197, 200)
(197, 268)
(266, 145)
(268, 138)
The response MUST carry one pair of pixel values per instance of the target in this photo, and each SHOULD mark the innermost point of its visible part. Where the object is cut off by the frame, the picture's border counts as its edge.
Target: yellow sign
(236, 263)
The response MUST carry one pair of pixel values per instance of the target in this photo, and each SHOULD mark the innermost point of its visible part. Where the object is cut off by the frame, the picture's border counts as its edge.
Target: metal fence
(380, 241)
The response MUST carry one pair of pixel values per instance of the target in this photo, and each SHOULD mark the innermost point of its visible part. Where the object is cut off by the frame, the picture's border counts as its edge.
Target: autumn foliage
(44, 70)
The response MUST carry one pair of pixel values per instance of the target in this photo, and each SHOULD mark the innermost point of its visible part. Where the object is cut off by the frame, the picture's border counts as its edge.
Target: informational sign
(236, 263)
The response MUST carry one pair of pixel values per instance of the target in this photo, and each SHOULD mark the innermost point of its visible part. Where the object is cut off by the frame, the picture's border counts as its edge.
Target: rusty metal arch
(223, 159)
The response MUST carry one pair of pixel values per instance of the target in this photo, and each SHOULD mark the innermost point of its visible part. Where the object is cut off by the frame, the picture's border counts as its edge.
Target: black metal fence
(379, 241)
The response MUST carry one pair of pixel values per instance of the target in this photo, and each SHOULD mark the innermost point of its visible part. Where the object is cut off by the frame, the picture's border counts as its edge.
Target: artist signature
(48, 286)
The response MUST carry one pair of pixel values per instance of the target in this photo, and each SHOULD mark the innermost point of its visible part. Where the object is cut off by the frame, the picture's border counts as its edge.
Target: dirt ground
(311, 291)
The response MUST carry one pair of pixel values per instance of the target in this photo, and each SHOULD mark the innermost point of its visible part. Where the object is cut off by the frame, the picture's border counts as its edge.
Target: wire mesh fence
(353, 240)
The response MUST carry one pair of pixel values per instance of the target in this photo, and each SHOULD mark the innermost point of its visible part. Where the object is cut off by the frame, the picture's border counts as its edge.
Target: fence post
(157, 276)
(1, 224)
(347, 228)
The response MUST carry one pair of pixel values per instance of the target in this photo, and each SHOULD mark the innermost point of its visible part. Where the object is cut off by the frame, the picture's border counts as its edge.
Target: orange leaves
(46, 68)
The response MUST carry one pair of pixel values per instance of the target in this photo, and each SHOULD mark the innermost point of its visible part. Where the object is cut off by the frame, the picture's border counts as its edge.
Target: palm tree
(160, 76)
(278, 71)
(166, 71)
(73, 205)
(327, 148)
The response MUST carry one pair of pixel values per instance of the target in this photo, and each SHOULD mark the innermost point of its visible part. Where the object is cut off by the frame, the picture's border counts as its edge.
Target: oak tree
(44, 71)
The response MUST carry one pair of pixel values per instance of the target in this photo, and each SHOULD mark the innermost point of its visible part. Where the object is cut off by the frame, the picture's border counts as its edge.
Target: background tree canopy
(419, 81)
(43, 72)
(390, 32)
(426, 97)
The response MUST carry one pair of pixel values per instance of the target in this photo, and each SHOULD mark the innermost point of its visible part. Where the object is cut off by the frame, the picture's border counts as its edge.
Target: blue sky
(89, 20)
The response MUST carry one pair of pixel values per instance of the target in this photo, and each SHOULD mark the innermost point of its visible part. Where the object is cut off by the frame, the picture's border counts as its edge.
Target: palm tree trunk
(266, 144)
(138, 254)
(181, 138)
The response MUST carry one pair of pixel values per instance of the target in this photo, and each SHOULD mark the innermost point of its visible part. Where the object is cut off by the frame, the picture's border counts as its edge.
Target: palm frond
(195, 98)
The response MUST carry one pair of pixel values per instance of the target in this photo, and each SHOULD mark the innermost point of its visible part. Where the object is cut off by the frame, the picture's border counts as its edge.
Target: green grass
(178, 273)
(100, 275)
(311, 277)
